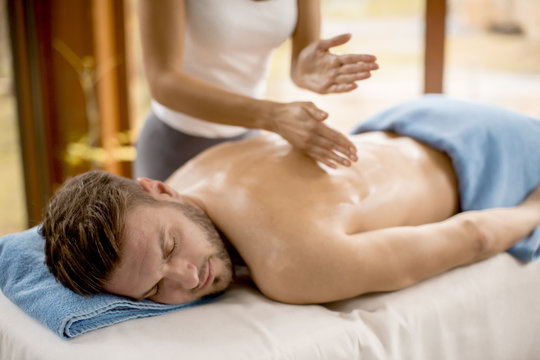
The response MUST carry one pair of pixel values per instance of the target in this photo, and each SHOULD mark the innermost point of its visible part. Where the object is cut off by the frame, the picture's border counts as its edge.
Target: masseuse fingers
(357, 68)
(353, 68)
(315, 112)
(319, 141)
(335, 138)
(326, 44)
(341, 88)
(327, 152)
(344, 155)
(351, 78)
(318, 156)
(338, 141)
(356, 58)
(344, 83)
(328, 149)
(327, 157)
(330, 139)
(331, 155)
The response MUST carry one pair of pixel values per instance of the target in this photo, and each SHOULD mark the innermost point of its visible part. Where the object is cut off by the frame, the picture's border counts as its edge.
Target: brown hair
(83, 225)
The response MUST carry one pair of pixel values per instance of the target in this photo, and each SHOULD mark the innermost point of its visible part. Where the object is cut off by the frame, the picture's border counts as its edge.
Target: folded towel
(495, 152)
(26, 281)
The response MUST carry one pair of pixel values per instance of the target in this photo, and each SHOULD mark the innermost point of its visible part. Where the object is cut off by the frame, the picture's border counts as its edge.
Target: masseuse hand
(302, 125)
(319, 70)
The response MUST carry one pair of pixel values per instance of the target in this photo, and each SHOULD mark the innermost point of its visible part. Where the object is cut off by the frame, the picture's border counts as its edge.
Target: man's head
(141, 240)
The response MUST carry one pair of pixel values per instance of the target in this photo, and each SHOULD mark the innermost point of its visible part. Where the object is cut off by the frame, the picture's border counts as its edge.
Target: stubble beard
(223, 280)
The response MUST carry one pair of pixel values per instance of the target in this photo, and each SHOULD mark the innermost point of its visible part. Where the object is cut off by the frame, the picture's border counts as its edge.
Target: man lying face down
(307, 233)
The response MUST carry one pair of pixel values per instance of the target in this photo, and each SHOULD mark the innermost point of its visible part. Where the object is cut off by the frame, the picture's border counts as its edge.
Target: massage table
(489, 310)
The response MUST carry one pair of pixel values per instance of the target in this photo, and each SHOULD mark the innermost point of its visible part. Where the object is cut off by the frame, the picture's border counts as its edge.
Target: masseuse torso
(396, 181)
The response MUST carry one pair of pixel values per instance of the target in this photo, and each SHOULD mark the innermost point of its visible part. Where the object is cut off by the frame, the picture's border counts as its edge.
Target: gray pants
(161, 149)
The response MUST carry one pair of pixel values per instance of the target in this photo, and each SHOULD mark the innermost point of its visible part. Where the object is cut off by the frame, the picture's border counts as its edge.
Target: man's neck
(236, 259)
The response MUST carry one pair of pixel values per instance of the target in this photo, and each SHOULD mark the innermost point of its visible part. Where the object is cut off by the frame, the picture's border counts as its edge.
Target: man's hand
(301, 124)
(319, 70)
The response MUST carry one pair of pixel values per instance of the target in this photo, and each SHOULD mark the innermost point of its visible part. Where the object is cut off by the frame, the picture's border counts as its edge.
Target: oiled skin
(283, 212)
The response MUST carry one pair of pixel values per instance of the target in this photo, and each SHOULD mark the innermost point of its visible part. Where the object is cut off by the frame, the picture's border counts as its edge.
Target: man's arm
(395, 258)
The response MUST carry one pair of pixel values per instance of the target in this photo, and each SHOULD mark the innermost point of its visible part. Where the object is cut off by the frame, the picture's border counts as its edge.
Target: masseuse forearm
(308, 30)
(162, 26)
(195, 98)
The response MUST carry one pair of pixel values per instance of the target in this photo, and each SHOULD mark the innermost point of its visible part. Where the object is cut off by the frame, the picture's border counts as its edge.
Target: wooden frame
(70, 68)
(30, 108)
(435, 19)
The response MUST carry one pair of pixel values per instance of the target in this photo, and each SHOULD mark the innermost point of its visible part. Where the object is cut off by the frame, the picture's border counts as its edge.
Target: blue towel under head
(26, 281)
(495, 151)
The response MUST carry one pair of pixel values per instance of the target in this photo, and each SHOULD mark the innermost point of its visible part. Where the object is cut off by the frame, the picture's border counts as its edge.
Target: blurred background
(73, 95)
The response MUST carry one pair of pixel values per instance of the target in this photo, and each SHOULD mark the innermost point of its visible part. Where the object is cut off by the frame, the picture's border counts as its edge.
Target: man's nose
(184, 273)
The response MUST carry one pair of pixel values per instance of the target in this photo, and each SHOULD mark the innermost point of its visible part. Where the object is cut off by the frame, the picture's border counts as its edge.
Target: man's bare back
(375, 192)
(282, 211)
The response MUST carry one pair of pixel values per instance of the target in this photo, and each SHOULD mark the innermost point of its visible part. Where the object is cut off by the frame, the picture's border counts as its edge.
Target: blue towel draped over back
(495, 151)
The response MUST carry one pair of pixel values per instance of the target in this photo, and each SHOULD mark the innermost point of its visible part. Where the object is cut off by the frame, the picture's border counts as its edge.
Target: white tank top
(228, 44)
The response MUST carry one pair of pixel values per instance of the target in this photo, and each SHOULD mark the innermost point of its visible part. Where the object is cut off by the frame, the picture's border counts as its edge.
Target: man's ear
(157, 189)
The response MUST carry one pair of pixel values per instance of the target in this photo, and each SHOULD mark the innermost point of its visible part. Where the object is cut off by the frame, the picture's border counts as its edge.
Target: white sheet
(489, 310)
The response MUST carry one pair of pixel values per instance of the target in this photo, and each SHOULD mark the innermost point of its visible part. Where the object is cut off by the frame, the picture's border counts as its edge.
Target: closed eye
(175, 243)
(156, 289)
